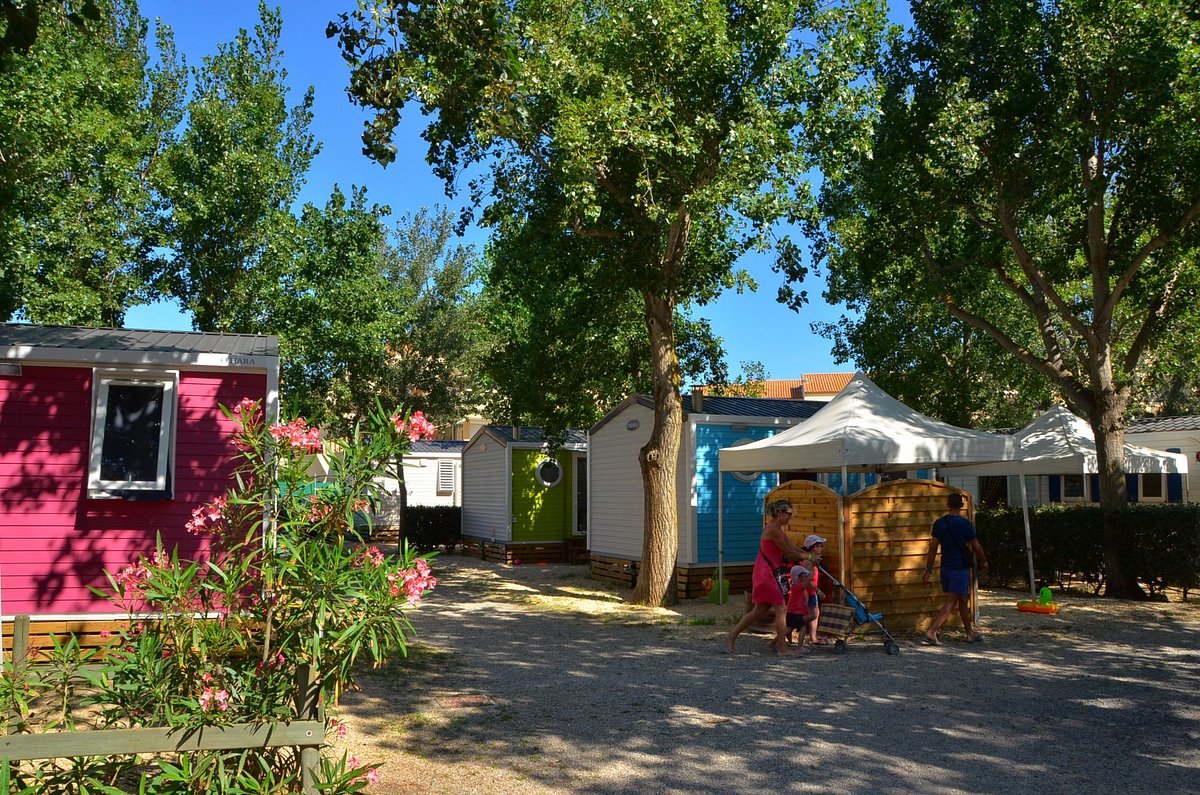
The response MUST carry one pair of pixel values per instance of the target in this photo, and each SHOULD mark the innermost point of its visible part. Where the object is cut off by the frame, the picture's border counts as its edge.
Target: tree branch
(1152, 245)
(1054, 371)
(1008, 229)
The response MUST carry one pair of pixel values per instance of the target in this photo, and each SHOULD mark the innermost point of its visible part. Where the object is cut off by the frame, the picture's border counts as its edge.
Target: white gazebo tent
(863, 429)
(1060, 443)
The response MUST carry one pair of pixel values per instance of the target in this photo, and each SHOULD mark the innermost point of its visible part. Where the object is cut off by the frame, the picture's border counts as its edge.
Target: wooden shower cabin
(878, 549)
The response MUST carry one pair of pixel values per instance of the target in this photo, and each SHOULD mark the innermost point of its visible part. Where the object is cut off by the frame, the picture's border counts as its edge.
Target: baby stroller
(842, 620)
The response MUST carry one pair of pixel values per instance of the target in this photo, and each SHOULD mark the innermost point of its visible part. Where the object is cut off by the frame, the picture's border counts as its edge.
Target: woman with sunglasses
(766, 592)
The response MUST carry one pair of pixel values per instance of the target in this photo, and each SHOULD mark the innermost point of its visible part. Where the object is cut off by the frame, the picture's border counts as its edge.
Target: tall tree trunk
(659, 459)
(1107, 416)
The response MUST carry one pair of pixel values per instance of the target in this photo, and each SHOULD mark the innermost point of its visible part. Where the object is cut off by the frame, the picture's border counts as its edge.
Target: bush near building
(1159, 543)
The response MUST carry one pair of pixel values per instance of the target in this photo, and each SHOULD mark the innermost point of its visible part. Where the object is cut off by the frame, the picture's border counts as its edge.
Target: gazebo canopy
(1059, 443)
(865, 429)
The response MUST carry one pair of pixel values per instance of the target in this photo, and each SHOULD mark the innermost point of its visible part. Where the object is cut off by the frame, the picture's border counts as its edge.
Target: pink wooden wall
(54, 541)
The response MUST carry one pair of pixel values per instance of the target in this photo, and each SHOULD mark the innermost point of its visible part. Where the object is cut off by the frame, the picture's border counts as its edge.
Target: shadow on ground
(1093, 699)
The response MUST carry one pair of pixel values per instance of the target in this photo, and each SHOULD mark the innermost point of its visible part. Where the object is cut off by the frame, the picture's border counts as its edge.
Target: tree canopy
(661, 133)
(1034, 168)
(82, 121)
(232, 174)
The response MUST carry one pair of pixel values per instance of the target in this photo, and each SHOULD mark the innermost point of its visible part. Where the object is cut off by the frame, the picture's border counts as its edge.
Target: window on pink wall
(133, 428)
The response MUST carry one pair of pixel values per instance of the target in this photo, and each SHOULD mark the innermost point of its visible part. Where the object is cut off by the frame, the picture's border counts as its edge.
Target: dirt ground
(537, 679)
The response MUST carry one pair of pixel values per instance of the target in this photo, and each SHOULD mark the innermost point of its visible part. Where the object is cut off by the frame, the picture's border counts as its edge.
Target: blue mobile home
(616, 497)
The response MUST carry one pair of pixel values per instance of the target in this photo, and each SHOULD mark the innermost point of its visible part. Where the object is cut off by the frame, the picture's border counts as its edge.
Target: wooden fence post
(309, 707)
(20, 641)
(20, 659)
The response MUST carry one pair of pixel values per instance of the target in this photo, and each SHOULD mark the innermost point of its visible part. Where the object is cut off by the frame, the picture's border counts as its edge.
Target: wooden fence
(307, 733)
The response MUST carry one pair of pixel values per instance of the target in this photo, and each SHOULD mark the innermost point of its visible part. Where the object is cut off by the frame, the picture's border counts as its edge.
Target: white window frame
(102, 380)
(744, 477)
(1162, 486)
(445, 476)
(1082, 496)
(547, 483)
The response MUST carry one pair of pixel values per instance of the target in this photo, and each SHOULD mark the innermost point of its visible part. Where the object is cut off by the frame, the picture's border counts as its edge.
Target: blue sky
(754, 326)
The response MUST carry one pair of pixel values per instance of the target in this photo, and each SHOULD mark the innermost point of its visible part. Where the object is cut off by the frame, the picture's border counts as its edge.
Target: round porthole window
(744, 477)
(549, 473)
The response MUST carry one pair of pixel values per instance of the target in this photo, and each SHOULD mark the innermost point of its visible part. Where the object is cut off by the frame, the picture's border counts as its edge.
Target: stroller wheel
(891, 647)
(839, 647)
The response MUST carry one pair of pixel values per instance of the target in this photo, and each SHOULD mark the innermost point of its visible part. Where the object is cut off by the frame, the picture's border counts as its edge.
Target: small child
(798, 612)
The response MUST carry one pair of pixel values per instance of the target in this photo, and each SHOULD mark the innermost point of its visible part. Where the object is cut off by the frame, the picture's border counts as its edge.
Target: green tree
(367, 312)
(439, 343)
(569, 342)
(751, 382)
(662, 132)
(232, 175)
(22, 19)
(931, 361)
(1035, 168)
(321, 290)
(82, 120)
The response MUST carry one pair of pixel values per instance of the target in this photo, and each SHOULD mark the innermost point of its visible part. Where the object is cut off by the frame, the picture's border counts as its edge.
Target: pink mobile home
(109, 437)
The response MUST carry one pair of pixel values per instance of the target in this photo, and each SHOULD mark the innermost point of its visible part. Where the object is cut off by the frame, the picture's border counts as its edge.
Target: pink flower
(340, 730)
(210, 698)
(105, 634)
(416, 581)
(317, 510)
(133, 577)
(208, 516)
(417, 426)
(372, 557)
(372, 776)
(298, 435)
(246, 408)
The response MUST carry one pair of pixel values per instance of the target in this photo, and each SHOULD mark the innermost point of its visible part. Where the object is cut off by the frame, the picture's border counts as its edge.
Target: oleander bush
(283, 585)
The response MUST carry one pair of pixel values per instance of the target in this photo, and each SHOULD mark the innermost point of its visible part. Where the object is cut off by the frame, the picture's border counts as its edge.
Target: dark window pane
(1073, 487)
(132, 423)
(1152, 486)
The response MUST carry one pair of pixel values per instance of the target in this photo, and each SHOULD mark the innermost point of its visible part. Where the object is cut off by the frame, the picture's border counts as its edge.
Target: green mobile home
(520, 500)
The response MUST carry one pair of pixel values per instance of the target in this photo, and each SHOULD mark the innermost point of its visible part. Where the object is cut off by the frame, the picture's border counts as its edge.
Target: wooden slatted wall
(888, 543)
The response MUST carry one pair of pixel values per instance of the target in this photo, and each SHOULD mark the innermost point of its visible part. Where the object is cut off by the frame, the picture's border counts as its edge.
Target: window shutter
(445, 477)
(1174, 482)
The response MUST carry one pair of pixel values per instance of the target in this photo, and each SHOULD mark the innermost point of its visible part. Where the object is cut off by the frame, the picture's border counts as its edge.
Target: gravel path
(538, 680)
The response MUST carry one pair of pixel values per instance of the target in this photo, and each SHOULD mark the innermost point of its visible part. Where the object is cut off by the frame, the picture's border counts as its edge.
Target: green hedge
(430, 526)
(1159, 543)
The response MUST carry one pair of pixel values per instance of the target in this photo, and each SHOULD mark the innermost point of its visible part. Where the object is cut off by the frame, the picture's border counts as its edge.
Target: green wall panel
(540, 513)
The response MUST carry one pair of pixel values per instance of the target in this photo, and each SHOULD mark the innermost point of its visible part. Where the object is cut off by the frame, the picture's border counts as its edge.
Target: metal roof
(533, 436)
(752, 407)
(437, 446)
(725, 406)
(136, 340)
(1186, 422)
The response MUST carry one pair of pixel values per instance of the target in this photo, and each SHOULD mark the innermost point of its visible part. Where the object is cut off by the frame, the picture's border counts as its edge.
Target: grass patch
(403, 724)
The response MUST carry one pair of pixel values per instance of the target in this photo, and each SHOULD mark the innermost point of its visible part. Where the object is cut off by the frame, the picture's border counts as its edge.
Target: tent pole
(843, 506)
(720, 537)
(1028, 535)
